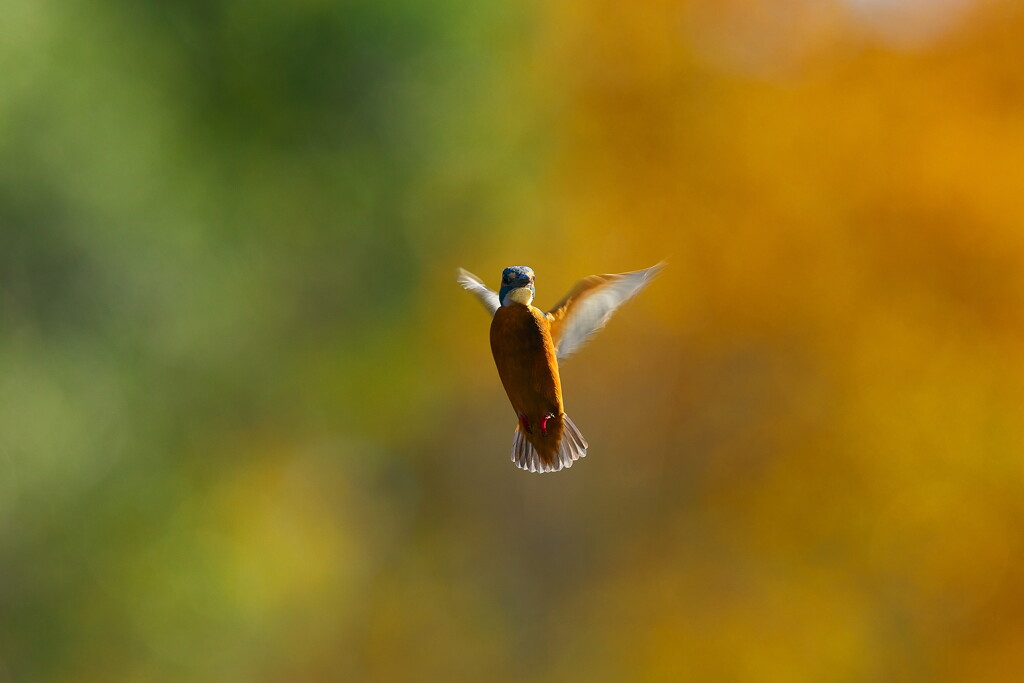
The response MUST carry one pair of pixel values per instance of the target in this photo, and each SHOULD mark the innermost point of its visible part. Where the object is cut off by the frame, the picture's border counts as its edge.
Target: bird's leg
(544, 424)
(524, 423)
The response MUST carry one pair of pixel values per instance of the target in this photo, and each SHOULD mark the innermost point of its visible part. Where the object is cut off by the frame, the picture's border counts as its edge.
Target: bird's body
(525, 357)
(527, 344)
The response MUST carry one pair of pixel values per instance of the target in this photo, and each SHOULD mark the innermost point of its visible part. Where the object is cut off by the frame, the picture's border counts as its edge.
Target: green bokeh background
(250, 429)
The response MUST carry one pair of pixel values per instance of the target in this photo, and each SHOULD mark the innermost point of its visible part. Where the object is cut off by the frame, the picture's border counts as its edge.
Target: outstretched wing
(590, 304)
(475, 285)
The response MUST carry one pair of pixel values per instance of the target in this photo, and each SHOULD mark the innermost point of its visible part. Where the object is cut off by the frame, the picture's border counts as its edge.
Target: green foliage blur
(250, 429)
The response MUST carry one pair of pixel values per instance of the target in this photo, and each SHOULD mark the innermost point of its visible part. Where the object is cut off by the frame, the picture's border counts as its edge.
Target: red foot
(524, 424)
(544, 424)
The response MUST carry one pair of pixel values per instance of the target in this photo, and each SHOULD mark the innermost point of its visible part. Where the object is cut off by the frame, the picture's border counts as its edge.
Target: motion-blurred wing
(590, 304)
(476, 286)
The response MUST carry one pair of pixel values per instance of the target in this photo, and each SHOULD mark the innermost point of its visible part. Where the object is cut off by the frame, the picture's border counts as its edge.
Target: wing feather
(471, 282)
(589, 305)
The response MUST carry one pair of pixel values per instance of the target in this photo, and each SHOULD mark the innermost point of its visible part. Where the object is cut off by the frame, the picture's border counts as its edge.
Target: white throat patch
(519, 295)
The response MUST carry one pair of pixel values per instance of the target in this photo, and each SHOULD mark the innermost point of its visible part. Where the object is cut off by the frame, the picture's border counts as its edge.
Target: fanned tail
(572, 448)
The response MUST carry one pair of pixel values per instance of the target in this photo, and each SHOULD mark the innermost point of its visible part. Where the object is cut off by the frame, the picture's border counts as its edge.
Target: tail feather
(572, 447)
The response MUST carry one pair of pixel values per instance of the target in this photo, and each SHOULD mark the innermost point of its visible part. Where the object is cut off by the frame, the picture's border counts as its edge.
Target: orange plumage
(525, 357)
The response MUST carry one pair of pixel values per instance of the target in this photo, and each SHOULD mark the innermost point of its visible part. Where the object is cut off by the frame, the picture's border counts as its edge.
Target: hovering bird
(527, 345)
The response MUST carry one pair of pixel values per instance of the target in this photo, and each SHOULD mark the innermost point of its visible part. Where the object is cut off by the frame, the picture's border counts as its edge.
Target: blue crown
(516, 275)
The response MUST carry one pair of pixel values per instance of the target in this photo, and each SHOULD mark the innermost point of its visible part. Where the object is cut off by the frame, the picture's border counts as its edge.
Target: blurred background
(250, 428)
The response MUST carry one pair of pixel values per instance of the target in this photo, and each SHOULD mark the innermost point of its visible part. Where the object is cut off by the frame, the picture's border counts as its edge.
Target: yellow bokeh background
(250, 429)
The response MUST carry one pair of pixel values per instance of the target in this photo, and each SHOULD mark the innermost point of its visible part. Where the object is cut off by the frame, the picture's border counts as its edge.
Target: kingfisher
(527, 344)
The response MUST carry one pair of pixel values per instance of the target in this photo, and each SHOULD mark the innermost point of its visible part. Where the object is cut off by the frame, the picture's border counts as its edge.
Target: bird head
(517, 286)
